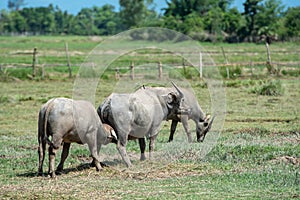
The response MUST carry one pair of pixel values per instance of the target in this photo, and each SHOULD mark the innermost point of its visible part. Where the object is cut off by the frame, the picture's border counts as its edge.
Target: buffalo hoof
(59, 172)
(142, 158)
(40, 174)
(103, 164)
(52, 175)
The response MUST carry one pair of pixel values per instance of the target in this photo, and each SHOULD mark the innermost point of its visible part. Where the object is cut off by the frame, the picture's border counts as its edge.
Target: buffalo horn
(208, 127)
(178, 90)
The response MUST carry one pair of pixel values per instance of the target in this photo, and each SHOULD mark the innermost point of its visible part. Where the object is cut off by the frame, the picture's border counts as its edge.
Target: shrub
(269, 88)
(20, 73)
(4, 75)
(294, 73)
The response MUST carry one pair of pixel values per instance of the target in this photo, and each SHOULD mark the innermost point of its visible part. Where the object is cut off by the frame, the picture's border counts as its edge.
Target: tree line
(203, 20)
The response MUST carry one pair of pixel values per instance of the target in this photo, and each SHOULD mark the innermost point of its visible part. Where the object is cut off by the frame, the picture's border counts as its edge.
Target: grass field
(257, 155)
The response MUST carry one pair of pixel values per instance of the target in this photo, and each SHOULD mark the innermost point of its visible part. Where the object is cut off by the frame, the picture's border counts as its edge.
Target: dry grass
(257, 155)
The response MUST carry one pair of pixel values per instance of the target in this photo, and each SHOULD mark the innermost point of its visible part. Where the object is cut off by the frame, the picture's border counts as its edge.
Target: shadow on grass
(81, 167)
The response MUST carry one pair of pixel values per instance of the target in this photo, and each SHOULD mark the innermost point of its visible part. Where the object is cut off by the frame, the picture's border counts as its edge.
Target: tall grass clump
(4, 74)
(269, 88)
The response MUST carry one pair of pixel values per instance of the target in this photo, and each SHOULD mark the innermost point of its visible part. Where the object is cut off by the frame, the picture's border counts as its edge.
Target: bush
(20, 73)
(269, 88)
(4, 74)
(294, 73)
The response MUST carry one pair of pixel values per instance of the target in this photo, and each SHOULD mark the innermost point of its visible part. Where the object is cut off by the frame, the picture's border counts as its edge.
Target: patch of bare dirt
(262, 120)
(287, 160)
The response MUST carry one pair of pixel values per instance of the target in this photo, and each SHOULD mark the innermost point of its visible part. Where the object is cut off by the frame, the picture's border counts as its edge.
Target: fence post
(227, 72)
(226, 62)
(132, 71)
(269, 65)
(68, 60)
(117, 73)
(200, 65)
(251, 67)
(34, 61)
(159, 70)
(43, 71)
(224, 55)
(268, 53)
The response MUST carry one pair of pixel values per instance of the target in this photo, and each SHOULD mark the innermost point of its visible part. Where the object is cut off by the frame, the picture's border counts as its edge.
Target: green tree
(132, 12)
(63, 21)
(268, 19)
(15, 4)
(232, 21)
(85, 22)
(6, 25)
(106, 20)
(291, 22)
(182, 8)
(262, 19)
(40, 20)
(18, 22)
(251, 8)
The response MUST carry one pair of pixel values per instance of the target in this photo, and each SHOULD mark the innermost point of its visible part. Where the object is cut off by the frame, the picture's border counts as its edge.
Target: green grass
(256, 155)
(249, 160)
(16, 52)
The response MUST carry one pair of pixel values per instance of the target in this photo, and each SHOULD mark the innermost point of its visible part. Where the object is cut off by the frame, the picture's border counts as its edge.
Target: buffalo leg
(52, 153)
(173, 129)
(94, 149)
(151, 145)
(185, 124)
(64, 156)
(142, 144)
(41, 151)
(121, 146)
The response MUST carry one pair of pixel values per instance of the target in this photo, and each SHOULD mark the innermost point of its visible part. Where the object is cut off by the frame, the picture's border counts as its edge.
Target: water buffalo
(138, 115)
(64, 121)
(195, 113)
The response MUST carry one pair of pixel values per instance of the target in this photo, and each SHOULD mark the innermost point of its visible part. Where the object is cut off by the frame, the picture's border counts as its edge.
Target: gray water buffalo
(202, 121)
(195, 113)
(139, 115)
(63, 121)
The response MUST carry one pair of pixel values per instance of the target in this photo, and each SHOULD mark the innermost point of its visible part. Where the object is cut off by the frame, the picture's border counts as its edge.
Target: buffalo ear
(169, 97)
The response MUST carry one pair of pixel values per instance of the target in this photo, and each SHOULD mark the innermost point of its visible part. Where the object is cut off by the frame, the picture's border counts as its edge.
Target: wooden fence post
(226, 62)
(268, 53)
(117, 73)
(34, 61)
(269, 65)
(251, 67)
(132, 71)
(43, 71)
(68, 60)
(200, 65)
(227, 72)
(224, 55)
(183, 65)
(159, 70)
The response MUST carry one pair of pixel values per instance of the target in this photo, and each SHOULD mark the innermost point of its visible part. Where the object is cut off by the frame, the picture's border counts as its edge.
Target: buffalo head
(201, 132)
(175, 102)
(111, 136)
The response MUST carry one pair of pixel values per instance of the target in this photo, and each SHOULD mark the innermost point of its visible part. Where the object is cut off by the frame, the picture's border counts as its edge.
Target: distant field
(257, 155)
(16, 53)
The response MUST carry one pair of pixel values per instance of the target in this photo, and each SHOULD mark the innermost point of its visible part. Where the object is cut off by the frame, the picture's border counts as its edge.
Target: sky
(74, 6)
